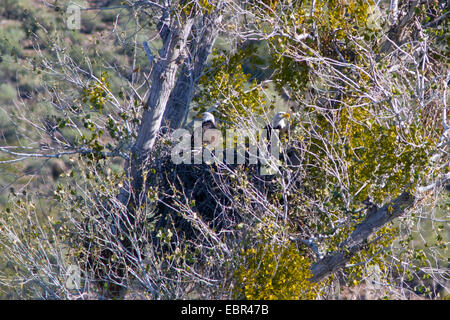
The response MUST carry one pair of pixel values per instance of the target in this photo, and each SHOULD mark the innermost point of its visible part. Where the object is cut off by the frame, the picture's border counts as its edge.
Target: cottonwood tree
(365, 83)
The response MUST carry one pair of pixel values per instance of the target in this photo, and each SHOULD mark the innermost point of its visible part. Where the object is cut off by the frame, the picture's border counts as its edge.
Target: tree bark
(395, 33)
(162, 83)
(163, 76)
(204, 33)
(358, 239)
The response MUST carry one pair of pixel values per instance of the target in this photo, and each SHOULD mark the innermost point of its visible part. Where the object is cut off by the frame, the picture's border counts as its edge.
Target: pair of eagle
(279, 123)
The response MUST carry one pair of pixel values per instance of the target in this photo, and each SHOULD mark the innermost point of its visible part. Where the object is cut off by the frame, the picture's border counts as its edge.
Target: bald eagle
(279, 123)
(276, 131)
(208, 123)
(206, 135)
(291, 155)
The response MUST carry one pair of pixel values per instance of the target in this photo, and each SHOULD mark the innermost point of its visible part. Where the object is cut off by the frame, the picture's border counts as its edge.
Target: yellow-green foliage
(226, 81)
(380, 157)
(97, 93)
(342, 16)
(380, 160)
(333, 23)
(96, 96)
(191, 8)
(274, 272)
(30, 247)
(375, 255)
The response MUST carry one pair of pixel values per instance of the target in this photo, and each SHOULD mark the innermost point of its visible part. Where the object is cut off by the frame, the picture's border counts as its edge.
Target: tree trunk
(204, 33)
(163, 78)
(358, 239)
(162, 83)
(395, 33)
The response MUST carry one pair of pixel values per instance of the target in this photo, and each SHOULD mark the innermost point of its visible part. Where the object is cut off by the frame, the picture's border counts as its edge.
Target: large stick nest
(215, 193)
(219, 194)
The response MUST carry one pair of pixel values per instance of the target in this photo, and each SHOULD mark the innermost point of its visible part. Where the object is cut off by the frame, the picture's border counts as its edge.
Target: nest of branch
(196, 201)
(216, 195)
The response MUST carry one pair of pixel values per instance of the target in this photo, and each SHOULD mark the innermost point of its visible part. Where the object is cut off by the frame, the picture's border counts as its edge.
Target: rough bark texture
(162, 83)
(163, 79)
(204, 32)
(395, 33)
(358, 239)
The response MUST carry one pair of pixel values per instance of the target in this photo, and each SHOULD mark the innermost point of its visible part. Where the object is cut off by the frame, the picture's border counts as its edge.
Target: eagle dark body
(206, 135)
(278, 126)
(282, 132)
(208, 125)
(277, 133)
(291, 152)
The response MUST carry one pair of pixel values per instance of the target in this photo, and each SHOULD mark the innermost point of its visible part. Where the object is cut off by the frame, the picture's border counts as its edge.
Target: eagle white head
(279, 120)
(207, 116)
